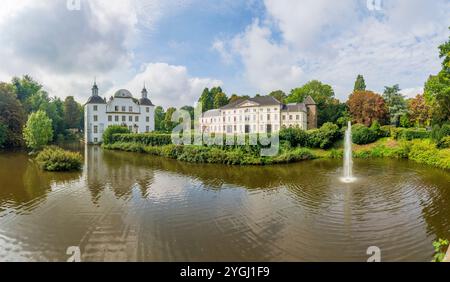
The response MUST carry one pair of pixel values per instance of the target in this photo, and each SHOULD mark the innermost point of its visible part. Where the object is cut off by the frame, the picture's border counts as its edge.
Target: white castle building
(121, 109)
(258, 115)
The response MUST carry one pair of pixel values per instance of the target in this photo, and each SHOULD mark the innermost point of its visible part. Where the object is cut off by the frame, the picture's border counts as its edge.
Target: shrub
(375, 127)
(152, 139)
(57, 159)
(363, 135)
(444, 143)
(324, 137)
(111, 131)
(294, 136)
(385, 130)
(440, 132)
(425, 152)
(411, 134)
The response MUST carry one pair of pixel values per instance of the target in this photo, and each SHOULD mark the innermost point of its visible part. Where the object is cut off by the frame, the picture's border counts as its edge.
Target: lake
(135, 207)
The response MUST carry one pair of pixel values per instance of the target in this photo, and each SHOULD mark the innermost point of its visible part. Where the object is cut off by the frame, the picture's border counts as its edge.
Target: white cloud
(168, 85)
(65, 50)
(333, 41)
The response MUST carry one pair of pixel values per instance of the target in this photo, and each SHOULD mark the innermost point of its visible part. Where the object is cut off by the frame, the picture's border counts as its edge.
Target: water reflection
(136, 207)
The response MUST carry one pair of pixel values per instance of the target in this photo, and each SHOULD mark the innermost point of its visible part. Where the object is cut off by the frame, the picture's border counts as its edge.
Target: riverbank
(421, 151)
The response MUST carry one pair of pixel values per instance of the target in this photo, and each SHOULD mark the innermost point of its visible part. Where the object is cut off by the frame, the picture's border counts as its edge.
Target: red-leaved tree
(366, 107)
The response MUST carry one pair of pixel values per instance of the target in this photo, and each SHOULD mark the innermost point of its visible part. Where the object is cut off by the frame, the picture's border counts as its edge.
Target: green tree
(11, 115)
(3, 134)
(38, 130)
(206, 100)
(25, 87)
(279, 95)
(190, 110)
(329, 108)
(236, 97)
(159, 118)
(72, 115)
(360, 83)
(220, 100)
(437, 88)
(111, 130)
(395, 103)
(169, 125)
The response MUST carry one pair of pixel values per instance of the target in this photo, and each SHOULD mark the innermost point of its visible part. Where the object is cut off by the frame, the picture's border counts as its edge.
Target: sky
(248, 47)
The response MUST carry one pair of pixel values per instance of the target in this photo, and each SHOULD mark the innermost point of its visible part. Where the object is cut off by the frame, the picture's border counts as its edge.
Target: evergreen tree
(360, 84)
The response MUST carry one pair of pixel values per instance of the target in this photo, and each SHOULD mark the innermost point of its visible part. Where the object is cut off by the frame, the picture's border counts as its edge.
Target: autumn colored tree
(366, 107)
(419, 111)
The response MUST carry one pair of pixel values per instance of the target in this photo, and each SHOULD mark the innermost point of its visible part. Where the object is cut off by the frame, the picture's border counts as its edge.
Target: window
(95, 118)
(147, 119)
(235, 128)
(116, 118)
(136, 119)
(95, 140)
(116, 108)
(95, 108)
(234, 119)
(130, 109)
(109, 118)
(290, 117)
(123, 108)
(147, 109)
(297, 117)
(284, 117)
(147, 128)
(130, 118)
(95, 129)
(124, 118)
(268, 116)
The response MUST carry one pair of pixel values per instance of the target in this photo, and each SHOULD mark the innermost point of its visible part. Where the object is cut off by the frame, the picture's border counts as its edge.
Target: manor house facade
(261, 114)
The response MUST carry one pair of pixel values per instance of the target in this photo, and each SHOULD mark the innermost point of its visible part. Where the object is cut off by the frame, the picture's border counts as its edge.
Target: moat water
(136, 207)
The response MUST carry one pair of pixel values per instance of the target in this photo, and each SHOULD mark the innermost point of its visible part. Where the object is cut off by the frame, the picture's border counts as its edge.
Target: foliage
(25, 88)
(279, 95)
(3, 134)
(72, 113)
(439, 132)
(159, 118)
(426, 152)
(220, 100)
(411, 134)
(168, 124)
(12, 116)
(366, 106)
(395, 103)
(38, 130)
(57, 159)
(419, 112)
(444, 143)
(363, 135)
(440, 247)
(360, 84)
(405, 121)
(437, 88)
(385, 130)
(153, 139)
(329, 109)
(111, 130)
(324, 137)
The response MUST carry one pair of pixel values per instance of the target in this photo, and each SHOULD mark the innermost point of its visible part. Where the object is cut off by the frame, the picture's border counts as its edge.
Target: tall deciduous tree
(12, 115)
(159, 118)
(72, 115)
(329, 108)
(206, 100)
(169, 125)
(395, 102)
(419, 112)
(220, 100)
(25, 88)
(365, 107)
(279, 95)
(360, 84)
(437, 88)
(38, 130)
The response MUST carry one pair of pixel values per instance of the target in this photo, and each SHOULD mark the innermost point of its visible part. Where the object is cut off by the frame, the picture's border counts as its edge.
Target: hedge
(57, 159)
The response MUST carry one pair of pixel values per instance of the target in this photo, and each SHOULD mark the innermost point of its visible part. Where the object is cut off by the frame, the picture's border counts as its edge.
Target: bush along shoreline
(297, 145)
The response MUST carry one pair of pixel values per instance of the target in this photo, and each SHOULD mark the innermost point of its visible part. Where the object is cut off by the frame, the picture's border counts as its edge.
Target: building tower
(311, 107)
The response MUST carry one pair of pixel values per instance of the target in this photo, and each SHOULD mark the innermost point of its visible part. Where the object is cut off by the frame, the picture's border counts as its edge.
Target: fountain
(348, 163)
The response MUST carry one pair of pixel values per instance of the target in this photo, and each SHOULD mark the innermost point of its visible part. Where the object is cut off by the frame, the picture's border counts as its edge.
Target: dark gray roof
(123, 93)
(299, 107)
(211, 113)
(95, 100)
(309, 101)
(145, 102)
(260, 100)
